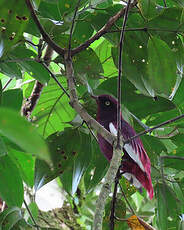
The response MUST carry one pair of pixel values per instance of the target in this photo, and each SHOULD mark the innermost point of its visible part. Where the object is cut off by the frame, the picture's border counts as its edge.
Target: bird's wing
(132, 150)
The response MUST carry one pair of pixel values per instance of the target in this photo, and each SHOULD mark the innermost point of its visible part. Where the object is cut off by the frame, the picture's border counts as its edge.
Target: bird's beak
(94, 97)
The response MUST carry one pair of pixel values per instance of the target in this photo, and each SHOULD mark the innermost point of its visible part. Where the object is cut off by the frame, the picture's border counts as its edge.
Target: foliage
(152, 92)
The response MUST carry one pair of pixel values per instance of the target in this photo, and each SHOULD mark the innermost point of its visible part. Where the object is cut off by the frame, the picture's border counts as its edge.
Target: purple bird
(135, 162)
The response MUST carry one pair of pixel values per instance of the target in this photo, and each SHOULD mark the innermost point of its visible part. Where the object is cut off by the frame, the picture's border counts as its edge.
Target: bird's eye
(107, 103)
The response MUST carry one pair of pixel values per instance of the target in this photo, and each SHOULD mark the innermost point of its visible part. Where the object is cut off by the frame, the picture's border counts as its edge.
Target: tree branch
(102, 31)
(121, 43)
(155, 127)
(44, 34)
(106, 188)
(78, 107)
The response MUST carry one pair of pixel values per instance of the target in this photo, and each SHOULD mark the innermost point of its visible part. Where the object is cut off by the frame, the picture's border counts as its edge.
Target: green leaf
(10, 69)
(178, 99)
(22, 225)
(83, 29)
(161, 66)
(99, 166)
(82, 160)
(103, 50)
(11, 220)
(148, 8)
(88, 64)
(53, 111)
(12, 99)
(68, 158)
(14, 19)
(49, 9)
(11, 186)
(161, 205)
(25, 164)
(168, 205)
(34, 211)
(3, 149)
(175, 163)
(36, 70)
(22, 133)
(66, 7)
(168, 20)
(43, 174)
(7, 212)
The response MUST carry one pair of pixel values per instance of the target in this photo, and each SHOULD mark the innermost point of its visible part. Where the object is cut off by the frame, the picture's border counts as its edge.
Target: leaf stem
(121, 43)
(31, 216)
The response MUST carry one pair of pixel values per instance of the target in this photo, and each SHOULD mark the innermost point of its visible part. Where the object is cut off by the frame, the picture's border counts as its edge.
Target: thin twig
(146, 29)
(121, 43)
(31, 216)
(71, 30)
(172, 157)
(102, 31)
(7, 83)
(155, 127)
(113, 206)
(91, 131)
(44, 34)
(56, 80)
(164, 1)
(129, 205)
(106, 188)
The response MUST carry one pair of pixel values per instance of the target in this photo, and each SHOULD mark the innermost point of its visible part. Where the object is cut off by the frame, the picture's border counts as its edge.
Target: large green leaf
(22, 133)
(53, 110)
(83, 29)
(12, 99)
(3, 149)
(167, 207)
(11, 186)
(35, 69)
(103, 50)
(98, 165)
(148, 8)
(161, 66)
(25, 163)
(69, 156)
(161, 205)
(10, 69)
(14, 18)
(88, 64)
(168, 20)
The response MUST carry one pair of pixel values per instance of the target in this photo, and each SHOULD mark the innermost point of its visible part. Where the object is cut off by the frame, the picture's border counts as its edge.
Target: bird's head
(107, 107)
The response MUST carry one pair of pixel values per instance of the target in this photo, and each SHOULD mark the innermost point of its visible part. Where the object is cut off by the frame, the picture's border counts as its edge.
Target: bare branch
(78, 107)
(71, 30)
(106, 188)
(44, 34)
(121, 43)
(172, 157)
(102, 31)
(155, 127)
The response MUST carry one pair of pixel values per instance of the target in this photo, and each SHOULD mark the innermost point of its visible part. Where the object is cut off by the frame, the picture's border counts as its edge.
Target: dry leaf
(134, 223)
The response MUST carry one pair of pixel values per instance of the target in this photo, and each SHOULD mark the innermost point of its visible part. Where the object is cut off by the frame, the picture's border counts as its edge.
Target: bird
(135, 164)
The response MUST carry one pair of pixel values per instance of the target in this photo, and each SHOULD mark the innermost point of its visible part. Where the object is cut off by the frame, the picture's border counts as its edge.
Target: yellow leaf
(134, 223)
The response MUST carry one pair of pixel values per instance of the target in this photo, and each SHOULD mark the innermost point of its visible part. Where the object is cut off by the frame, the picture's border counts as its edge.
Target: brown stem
(78, 107)
(155, 127)
(103, 30)
(44, 34)
(31, 102)
(121, 43)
